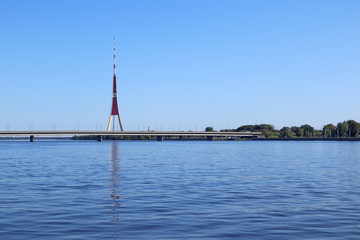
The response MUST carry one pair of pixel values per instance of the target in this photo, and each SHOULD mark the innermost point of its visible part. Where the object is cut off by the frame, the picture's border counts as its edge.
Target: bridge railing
(127, 133)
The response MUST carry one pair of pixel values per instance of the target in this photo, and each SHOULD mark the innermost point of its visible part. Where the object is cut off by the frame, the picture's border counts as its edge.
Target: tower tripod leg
(121, 127)
(109, 125)
(114, 125)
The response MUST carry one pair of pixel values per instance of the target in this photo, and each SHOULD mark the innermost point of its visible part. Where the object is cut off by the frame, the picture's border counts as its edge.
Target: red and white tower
(114, 107)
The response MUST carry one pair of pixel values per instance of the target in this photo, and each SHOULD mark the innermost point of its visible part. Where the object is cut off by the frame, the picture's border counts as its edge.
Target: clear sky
(180, 64)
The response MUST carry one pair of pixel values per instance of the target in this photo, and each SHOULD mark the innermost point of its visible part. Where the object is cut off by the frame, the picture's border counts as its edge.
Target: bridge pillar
(159, 138)
(32, 138)
(210, 138)
(99, 138)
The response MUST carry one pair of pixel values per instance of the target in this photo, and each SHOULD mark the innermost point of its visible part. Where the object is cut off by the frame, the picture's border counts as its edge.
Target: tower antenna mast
(114, 106)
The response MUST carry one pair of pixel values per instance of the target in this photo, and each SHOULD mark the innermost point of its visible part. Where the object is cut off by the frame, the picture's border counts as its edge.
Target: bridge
(115, 113)
(159, 134)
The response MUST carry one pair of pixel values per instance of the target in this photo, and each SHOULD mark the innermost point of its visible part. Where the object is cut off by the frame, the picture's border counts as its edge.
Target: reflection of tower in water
(115, 182)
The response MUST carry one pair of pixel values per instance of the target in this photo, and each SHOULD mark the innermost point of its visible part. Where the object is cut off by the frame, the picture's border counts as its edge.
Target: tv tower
(114, 107)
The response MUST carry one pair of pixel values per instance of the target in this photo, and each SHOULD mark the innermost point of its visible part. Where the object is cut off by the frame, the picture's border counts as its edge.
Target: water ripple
(179, 190)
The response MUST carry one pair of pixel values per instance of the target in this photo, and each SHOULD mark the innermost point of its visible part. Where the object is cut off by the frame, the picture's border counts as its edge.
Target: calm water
(179, 190)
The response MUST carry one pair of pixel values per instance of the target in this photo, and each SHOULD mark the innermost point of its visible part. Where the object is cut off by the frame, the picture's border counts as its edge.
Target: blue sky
(180, 64)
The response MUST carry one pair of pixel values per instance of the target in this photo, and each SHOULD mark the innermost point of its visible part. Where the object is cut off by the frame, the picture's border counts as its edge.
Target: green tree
(267, 133)
(265, 129)
(308, 130)
(209, 129)
(342, 129)
(261, 127)
(354, 127)
(329, 130)
(249, 128)
(299, 132)
(285, 132)
(228, 130)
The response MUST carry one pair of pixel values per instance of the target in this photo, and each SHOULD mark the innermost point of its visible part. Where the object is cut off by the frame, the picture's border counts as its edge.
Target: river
(179, 190)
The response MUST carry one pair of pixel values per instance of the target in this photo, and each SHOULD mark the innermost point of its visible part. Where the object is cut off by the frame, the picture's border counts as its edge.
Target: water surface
(179, 190)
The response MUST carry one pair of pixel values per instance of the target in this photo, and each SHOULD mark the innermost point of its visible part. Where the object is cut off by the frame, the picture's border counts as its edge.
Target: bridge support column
(210, 138)
(159, 138)
(32, 138)
(99, 138)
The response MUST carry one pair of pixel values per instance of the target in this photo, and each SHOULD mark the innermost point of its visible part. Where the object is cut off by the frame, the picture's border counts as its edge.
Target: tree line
(349, 128)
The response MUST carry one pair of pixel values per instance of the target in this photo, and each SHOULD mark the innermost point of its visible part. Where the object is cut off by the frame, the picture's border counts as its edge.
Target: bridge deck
(128, 133)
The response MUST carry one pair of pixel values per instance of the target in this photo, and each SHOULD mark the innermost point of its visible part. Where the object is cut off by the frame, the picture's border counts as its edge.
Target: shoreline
(352, 139)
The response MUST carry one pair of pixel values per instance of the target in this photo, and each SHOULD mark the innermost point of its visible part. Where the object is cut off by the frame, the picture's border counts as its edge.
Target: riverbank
(306, 139)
